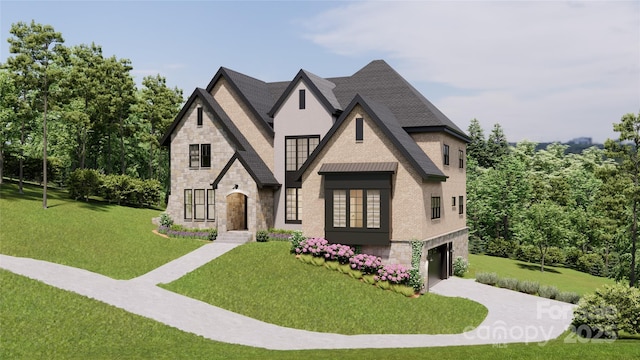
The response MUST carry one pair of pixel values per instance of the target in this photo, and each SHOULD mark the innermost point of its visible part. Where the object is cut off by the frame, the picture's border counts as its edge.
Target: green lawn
(563, 278)
(264, 281)
(108, 239)
(41, 322)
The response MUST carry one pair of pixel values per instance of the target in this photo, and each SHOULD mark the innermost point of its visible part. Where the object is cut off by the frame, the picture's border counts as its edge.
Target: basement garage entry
(440, 263)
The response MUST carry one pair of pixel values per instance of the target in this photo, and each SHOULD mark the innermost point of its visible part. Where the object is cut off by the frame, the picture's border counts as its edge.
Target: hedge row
(121, 189)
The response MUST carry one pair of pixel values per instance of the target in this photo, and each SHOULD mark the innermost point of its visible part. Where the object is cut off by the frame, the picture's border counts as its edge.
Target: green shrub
(262, 236)
(527, 253)
(508, 283)
(166, 220)
(416, 253)
(83, 183)
(499, 247)
(460, 266)
(549, 292)
(568, 297)
(213, 234)
(591, 263)
(554, 256)
(296, 239)
(416, 281)
(487, 278)
(528, 287)
(384, 285)
(610, 309)
(571, 256)
(369, 279)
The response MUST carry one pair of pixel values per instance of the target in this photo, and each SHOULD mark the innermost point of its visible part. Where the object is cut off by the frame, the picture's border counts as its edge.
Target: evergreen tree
(625, 151)
(497, 146)
(477, 147)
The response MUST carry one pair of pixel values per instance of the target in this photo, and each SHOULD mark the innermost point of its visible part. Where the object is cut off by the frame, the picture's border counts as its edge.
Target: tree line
(64, 108)
(553, 207)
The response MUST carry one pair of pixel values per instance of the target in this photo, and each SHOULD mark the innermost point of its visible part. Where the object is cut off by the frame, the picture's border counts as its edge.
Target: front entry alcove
(236, 211)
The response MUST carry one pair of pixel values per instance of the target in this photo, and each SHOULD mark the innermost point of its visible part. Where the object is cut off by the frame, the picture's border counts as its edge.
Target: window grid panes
(205, 155)
(435, 207)
(291, 154)
(211, 209)
(199, 208)
(339, 208)
(373, 209)
(291, 202)
(194, 155)
(297, 151)
(188, 205)
(355, 208)
(303, 152)
(461, 159)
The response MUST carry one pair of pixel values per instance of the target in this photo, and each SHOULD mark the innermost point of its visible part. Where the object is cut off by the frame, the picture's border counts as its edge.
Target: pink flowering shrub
(368, 264)
(313, 246)
(393, 273)
(338, 252)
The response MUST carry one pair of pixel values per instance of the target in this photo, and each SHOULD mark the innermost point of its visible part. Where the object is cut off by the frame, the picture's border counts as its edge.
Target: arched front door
(236, 211)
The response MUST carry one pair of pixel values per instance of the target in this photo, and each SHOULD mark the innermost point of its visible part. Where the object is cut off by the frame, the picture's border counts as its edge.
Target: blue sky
(544, 70)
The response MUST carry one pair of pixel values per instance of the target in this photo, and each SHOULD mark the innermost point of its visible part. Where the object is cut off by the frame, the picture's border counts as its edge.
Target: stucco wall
(245, 121)
(290, 120)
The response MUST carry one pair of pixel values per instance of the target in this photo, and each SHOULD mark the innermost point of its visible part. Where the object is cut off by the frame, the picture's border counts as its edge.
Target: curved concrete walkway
(513, 317)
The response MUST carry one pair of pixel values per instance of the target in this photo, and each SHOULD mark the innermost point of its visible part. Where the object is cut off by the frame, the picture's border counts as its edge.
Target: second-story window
(194, 155)
(460, 159)
(297, 150)
(205, 155)
(301, 99)
(445, 152)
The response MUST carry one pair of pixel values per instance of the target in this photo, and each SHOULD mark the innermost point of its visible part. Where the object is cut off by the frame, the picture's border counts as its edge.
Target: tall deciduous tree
(625, 150)
(8, 110)
(159, 106)
(36, 47)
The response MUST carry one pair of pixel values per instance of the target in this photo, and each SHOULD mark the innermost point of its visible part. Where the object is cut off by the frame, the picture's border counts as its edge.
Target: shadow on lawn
(527, 266)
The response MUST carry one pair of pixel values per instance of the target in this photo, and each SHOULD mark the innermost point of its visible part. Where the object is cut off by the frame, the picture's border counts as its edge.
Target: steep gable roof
(255, 93)
(259, 172)
(386, 121)
(320, 87)
(245, 152)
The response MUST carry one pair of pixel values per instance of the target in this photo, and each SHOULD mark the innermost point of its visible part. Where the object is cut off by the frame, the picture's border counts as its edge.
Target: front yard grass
(564, 279)
(265, 282)
(38, 321)
(112, 240)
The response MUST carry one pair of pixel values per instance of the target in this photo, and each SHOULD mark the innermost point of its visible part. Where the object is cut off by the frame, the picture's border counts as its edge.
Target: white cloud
(544, 70)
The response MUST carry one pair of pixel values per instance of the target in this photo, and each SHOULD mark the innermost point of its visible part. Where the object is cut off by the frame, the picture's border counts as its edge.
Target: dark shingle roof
(256, 93)
(386, 121)
(381, 83)
(245, 152)
(321, 87)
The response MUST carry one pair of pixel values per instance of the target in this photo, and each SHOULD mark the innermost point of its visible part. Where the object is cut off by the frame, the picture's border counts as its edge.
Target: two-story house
(362, 160)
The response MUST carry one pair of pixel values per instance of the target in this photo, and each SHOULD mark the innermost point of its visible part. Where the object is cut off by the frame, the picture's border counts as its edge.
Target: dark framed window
(199, 204)
(359, 129)
(461, 205)
(460, 159)
(297, 150)
(453, 201)
(435, 207)
(445, 152)
(293, 205)
(301, 98)
(211, 202)
(205, 155)
(357, 208)
(199, 116)
(188, 204)
(194, 155)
